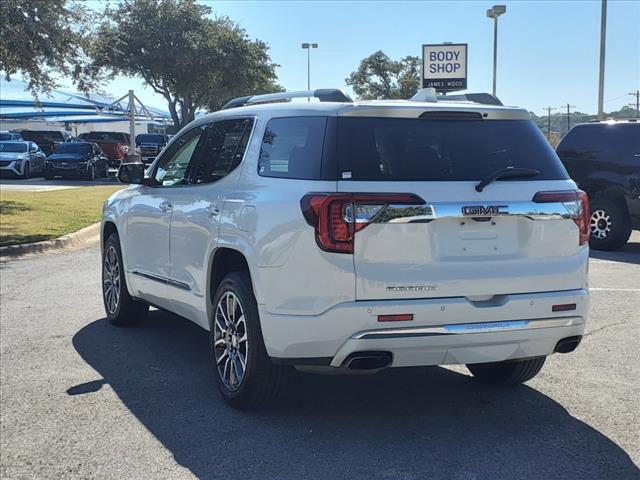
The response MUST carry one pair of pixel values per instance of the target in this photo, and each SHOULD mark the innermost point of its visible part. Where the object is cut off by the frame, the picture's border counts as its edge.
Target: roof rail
(322, 94)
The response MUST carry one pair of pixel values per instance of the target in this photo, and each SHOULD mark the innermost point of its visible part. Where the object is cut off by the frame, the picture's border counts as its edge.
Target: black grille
(5, 163)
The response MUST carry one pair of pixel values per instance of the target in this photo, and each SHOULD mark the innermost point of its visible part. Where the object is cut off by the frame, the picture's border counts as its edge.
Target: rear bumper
(444, 331)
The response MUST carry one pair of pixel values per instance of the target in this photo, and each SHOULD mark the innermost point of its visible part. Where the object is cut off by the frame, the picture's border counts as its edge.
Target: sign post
(444, 67)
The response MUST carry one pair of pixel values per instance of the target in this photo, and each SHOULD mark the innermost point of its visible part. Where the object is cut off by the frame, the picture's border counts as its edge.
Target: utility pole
(637, 95)
(549, 122)
(569, 107)
(603, 39)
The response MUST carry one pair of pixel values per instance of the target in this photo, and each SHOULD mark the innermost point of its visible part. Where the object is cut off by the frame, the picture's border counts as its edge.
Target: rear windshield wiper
(507, 172)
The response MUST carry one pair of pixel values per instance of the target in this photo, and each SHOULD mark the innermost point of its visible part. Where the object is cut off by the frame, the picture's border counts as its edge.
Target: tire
(120, 307)
(610, 224)
(105, 171)
(48, 176)
(27, 171)
(91, 175)
(507, 373)
(256, 384)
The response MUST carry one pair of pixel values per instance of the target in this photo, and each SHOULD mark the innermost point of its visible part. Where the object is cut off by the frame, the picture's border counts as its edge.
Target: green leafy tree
(43, 39)
(380, 77)
(192, 60)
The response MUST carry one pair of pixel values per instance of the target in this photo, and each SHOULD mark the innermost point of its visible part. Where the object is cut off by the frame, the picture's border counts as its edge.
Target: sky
(548, 51)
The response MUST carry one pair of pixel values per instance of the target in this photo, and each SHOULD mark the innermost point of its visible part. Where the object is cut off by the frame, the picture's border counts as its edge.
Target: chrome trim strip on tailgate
(468, 328)
(433, 211)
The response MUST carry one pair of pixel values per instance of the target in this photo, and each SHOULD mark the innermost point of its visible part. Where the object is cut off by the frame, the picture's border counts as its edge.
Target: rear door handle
(166, 206)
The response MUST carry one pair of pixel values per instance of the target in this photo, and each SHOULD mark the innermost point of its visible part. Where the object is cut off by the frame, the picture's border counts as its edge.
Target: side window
(292, 148)
(223, 149)
(172, 167)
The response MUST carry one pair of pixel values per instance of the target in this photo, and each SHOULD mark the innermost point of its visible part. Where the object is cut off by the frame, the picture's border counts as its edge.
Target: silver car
(21, 159)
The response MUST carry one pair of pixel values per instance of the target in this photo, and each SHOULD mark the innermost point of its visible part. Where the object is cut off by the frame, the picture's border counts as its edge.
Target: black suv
(604, 160)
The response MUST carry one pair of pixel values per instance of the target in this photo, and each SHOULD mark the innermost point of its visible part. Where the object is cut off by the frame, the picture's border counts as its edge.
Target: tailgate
(469, 247)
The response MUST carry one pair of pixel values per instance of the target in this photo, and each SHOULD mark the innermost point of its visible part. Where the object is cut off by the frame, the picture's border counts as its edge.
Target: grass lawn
(34, 216)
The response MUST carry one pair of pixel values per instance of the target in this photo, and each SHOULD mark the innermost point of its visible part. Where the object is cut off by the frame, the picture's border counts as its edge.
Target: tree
(379, 77)
(43, 38)
(191, 60)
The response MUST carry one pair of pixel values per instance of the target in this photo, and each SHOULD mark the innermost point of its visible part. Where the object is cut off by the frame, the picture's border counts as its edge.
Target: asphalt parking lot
(83, 399)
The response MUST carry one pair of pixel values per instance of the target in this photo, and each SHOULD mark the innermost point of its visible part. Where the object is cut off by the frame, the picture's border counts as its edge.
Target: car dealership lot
(83, 399)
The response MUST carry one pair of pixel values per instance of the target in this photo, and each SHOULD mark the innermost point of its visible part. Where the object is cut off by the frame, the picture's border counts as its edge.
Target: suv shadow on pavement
(401, 423)
(630, 253)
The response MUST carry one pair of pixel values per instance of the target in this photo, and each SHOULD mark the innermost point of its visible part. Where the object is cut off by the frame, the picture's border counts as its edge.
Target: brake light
(337, 217)
(577, 204)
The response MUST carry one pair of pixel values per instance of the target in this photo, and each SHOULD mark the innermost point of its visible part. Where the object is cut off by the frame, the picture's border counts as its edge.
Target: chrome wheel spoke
(230, 343)
(225, 354)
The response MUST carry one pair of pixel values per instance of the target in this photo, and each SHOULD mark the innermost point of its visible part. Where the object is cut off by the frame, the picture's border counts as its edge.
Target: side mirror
(132, 173)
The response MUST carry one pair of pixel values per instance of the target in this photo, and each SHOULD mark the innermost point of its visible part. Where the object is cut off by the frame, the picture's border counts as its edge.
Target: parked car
(150, 145)
(47, 140)
(604, 160)
(115, 145)
(77, 160)
(8, 136)
(354, 236)
(21, 159)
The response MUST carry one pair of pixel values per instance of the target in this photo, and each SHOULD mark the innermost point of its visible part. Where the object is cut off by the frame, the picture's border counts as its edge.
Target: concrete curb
(75, 239)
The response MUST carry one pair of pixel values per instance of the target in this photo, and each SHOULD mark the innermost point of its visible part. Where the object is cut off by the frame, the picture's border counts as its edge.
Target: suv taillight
(577, 203)
(337, 217)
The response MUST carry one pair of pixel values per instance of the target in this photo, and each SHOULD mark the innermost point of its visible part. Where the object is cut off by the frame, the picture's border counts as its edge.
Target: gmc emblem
(482, 211)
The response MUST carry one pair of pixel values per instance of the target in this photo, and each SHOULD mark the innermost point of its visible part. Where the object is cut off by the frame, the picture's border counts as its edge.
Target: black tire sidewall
(620, 224)
(27, 170)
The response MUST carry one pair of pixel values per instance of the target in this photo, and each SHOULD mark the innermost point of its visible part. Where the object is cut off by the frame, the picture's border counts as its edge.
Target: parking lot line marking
(602, 289)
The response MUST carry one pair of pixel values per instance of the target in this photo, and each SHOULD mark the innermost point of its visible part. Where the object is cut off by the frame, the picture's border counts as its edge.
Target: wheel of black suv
(26, 173)
(610, 224)
(508, 373)
(244, 373)
(121, 308)
(91, 174)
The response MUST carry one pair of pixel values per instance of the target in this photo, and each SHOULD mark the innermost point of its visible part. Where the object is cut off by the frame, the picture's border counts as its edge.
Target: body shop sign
(444, 67)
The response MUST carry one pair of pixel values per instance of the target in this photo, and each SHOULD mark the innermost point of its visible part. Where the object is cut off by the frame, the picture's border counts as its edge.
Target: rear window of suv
(401, 149)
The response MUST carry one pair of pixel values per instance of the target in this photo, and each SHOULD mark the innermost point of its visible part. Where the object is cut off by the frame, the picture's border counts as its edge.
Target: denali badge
(412, 288)
(481, 210)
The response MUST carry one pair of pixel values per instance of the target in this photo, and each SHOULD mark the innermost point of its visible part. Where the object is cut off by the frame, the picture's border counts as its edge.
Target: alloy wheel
(600, 224)
(231, 343)
(111, 279)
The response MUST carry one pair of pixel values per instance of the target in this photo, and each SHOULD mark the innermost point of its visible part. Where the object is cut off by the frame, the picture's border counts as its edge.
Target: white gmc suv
(340, 235)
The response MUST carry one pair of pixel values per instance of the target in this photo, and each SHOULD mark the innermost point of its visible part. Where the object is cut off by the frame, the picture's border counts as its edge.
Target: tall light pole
(494, 12)
(603, 40)
(308, 47)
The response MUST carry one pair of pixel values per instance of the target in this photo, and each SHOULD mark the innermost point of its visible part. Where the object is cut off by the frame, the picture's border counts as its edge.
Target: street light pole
(603, 38)
(494, 12)
(308, 47)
